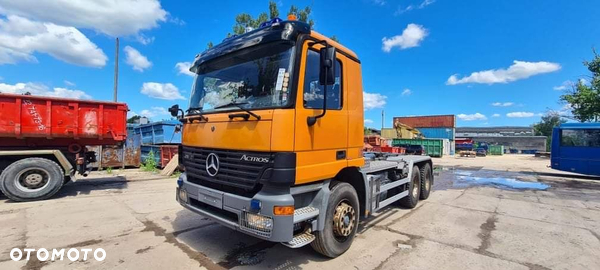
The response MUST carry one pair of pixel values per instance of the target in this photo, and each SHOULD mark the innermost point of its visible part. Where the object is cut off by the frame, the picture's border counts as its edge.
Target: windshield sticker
(280, 76)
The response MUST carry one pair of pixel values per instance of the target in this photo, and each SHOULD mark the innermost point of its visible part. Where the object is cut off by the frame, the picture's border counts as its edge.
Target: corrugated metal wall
(427, 121)
(438, 133)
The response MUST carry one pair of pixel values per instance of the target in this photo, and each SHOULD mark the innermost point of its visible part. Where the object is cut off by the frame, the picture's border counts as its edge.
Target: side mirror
(327, 69)
(326, 77)
(174, 110)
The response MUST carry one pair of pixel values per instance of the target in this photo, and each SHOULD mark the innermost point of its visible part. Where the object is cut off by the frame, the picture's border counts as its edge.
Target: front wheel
(341, 222)
(31, 179)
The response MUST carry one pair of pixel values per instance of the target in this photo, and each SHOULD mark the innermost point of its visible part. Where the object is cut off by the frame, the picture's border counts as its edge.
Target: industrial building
(467, 132)
(514, 139)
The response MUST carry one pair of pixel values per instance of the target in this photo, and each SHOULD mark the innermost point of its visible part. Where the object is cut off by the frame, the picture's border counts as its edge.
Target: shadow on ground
(88, 185)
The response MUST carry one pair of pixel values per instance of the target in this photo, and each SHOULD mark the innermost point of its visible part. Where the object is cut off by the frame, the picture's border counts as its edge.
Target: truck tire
(414, 187)
(341, 222)
(31, 179)
(426, 181)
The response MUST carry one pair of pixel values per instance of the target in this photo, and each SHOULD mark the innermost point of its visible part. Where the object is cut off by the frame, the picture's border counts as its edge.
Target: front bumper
(236, 212)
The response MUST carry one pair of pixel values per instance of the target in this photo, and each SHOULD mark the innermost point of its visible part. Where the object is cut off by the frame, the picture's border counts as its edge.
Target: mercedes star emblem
(212, 164)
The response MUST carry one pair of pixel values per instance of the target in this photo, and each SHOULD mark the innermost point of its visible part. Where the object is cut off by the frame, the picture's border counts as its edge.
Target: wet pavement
(460, 178)
(475, 219)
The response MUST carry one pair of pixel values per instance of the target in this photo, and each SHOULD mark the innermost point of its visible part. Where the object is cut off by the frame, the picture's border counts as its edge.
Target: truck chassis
(383, 180)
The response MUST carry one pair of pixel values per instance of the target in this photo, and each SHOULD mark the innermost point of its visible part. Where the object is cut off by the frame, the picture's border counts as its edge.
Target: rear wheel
(426, 181)
(341, 222)
(31, 179)
(414, 186)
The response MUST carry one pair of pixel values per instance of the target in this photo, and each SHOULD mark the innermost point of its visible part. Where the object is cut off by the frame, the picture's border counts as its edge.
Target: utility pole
(382, 119)
(116, 70)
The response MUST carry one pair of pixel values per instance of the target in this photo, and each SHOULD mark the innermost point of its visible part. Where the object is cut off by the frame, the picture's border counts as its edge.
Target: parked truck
(273, 136)
(43, 139)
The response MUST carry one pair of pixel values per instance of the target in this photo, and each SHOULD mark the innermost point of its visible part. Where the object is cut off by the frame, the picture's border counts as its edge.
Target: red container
(401, 150)
(44, 121)
(463, 141)
(427, 121)
(166, 154)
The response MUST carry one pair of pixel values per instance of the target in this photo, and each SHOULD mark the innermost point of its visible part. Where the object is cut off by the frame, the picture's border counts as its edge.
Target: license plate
(211, 198)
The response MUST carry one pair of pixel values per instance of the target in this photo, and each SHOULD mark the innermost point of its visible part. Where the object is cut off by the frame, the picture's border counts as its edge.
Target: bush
(150, 164)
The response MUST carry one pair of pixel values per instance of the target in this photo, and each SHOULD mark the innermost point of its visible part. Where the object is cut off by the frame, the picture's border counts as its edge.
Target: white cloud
(502, 104)
(471, 117)
(373, 101)
(379, 2)
(520, 114)
(37, 89)
(141, 38)
(184, 68)
(426, 3)
(496, 115)
(111, 17)
(154, 112)
(20, 38)
(69, 83)
(406, 92)
(518, 71)
(411, 37)
(131, 113)
(135, 59)
(564, 86)
(401, 10)
(368, 121)
(165, 91)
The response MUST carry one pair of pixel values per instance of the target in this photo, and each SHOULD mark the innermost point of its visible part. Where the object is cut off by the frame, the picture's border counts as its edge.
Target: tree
(245, 20)
(545, 126)
(134, 119)
(585, 99)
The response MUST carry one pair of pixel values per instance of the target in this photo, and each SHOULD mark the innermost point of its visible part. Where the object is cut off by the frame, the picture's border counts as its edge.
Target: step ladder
(306, 237)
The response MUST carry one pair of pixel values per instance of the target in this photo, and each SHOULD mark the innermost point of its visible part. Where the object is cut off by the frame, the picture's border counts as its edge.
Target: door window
(313, 90)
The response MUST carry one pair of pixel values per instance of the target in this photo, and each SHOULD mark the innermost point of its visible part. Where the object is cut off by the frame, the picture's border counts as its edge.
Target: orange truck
(273, 137)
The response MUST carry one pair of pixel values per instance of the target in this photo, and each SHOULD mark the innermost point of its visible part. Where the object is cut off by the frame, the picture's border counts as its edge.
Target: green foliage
(209, 45)
(133, 119)
(176, 174)
(585, 99)
(245, 20)
(335, 38)
(368, 131)
(302, 14)
(545, 126)
(150, 164)
(109, 170)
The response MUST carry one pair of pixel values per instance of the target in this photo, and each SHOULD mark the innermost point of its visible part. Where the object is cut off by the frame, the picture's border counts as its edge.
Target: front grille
(234, 175)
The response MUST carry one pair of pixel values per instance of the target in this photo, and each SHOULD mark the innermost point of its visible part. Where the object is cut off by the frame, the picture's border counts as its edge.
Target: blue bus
(576, 148)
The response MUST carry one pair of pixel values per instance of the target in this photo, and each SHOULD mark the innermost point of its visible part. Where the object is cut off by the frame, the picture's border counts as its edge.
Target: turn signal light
(283, 210)
(291, 17)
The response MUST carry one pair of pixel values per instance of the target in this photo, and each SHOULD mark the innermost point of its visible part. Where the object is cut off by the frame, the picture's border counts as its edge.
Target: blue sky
(419, 57)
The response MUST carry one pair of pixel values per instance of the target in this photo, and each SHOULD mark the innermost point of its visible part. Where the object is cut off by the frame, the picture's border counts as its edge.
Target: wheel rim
(415, 187)
(344, 221)
(32, 179)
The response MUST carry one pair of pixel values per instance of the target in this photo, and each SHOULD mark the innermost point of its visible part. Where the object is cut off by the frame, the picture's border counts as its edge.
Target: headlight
(183, 196)
(259, 221)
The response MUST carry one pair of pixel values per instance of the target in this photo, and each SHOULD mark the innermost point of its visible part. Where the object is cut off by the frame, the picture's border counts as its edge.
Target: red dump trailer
(43, 139)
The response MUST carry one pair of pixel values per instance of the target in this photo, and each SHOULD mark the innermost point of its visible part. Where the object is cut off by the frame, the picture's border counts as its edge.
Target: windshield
(254, 78)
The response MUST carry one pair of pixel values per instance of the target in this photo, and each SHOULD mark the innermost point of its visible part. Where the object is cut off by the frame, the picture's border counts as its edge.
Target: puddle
(447, 178)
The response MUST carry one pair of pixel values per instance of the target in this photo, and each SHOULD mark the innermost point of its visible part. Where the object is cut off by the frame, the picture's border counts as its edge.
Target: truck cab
(273, 136)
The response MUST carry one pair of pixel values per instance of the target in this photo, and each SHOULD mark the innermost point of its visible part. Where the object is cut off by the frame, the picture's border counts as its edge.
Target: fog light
(183, 196)
(283, 210)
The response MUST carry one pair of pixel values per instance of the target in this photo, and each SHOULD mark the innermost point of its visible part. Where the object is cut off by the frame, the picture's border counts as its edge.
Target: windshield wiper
(239, 105)
(196, 111)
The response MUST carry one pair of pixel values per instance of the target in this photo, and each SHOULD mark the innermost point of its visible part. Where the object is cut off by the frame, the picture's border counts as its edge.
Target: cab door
(321, 148)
